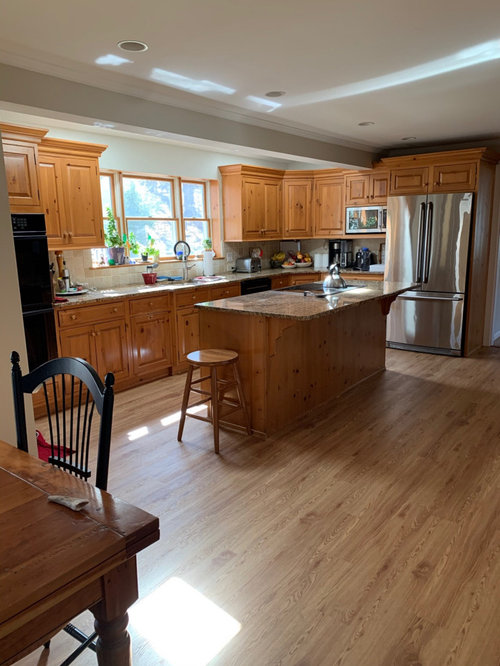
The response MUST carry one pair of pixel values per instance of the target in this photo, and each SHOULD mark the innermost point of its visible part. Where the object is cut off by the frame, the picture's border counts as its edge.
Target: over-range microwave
(365, 220)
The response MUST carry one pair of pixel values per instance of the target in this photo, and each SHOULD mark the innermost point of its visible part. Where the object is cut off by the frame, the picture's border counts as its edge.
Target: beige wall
(11, 322)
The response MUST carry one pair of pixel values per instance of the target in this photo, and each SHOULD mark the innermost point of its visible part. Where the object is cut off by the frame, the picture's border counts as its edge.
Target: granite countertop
(99, 296)
(294, 305)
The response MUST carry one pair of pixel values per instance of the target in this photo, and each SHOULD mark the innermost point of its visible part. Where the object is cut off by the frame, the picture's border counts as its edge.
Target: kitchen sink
(318, 289)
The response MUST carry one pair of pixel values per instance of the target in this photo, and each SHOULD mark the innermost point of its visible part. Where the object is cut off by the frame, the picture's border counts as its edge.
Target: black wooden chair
(73, 393)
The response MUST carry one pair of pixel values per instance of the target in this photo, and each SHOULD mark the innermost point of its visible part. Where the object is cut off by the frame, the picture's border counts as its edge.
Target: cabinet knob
(150, 304)
(73, 316)
(115, 309)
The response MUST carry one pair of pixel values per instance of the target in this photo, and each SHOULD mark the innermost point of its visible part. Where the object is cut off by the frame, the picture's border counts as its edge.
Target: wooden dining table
(56, 562)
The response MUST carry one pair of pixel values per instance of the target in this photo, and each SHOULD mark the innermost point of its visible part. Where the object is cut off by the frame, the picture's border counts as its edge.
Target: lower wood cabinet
(104, 345)
(303, 279)
(151, 336)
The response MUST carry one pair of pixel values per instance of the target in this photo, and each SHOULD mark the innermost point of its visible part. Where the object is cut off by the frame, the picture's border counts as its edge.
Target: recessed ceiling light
(275, 93)
(408, 138)
(365, 123)
(133, 45)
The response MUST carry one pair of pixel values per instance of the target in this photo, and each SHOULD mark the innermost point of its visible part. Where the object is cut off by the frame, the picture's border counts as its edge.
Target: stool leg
(215, 408)
(241, 397)
(185, 401)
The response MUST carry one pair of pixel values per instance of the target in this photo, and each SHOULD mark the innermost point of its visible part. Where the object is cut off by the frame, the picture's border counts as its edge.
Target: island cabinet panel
(71, 193)
(20, 151)
(328, 217)
(290, 367)
(151, 336)
(297, 197)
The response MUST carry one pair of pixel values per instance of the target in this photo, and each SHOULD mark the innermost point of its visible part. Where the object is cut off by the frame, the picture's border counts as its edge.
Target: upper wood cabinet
(328, 206)
(71, 193)
(454, 177)
(251, 198)
(366, 188)
(454, 171)
(297, 204)
(20, 150)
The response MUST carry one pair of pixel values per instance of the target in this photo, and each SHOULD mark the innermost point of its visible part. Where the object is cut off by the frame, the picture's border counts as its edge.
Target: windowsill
(149, 263)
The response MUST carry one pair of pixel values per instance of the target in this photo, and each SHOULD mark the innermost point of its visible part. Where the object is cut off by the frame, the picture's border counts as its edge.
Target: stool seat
(211, 360)
(209, 357)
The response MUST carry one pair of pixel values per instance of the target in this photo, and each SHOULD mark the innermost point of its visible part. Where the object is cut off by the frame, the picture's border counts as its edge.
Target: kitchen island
(298, 352)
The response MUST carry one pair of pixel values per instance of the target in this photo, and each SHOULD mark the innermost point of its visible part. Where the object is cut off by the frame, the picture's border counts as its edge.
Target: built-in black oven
(33, 271)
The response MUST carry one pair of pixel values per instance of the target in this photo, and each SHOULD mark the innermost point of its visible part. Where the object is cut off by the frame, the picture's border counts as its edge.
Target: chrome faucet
(185, 269)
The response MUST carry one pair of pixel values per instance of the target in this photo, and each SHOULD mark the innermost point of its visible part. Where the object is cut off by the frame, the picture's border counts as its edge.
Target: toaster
(248, 265)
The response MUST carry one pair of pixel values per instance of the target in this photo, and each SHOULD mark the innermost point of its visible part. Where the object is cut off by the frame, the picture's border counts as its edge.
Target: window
(194, 214)
(147, 207)
(149, 211)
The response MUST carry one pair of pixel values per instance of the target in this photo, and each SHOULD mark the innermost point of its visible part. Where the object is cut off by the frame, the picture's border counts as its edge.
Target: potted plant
(149, 250)
(133, 244)
(114, 242)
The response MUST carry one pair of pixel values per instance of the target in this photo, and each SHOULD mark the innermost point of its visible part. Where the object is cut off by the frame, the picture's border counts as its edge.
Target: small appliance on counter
(340, 252)
(248, 265)
(363, 259)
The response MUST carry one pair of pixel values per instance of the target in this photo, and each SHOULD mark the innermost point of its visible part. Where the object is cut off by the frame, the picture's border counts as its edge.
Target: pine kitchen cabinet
(366, 188)
(71, 193)
(98, 334)
(328, 206)
(20, 151)
(151, 335)
(252, 203)
(297, 204)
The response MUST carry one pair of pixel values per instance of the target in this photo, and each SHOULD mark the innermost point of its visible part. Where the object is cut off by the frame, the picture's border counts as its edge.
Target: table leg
(119, 588)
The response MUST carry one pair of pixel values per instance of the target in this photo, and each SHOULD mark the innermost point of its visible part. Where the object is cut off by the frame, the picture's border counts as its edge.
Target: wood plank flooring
(368, 534)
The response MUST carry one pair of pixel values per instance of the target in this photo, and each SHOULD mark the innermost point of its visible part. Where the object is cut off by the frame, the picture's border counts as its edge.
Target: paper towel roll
(208, 262)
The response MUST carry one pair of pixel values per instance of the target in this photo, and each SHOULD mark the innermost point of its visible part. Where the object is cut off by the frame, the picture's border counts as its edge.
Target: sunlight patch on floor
(182, 625)
(137, 433)
(175, 417)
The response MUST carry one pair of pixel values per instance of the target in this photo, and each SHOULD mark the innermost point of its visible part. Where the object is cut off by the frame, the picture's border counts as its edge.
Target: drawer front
(228, 291)
(185, 298)
(279, 282)
(150, 304)
(91, 314)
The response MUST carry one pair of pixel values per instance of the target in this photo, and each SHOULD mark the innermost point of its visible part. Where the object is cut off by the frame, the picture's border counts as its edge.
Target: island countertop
(289, 304)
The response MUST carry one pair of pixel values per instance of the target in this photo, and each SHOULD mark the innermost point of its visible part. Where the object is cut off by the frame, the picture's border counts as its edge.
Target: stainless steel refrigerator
(427, 243)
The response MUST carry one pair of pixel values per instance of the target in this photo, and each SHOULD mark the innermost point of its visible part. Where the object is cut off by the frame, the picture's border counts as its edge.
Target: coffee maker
(340, 252)
(334, 252)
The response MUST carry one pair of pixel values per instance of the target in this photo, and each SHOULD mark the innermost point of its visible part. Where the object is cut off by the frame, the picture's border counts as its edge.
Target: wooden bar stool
(212, 359)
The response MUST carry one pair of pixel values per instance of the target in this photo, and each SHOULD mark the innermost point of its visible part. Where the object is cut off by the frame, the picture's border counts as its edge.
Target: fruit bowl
(304, 264)
(294, 265)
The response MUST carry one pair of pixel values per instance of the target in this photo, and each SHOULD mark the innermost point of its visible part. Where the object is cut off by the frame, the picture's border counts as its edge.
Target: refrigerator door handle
(409, 297)
(418, 268)
(428, 236)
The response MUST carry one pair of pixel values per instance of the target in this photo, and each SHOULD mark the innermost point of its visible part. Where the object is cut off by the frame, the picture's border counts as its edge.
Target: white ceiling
(429, 70)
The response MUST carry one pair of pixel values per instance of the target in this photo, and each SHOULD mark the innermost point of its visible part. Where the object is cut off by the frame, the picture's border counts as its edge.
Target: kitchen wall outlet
(230, 256)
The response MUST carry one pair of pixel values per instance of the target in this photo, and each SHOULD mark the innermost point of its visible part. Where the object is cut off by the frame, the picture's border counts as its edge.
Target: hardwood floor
(368, 534)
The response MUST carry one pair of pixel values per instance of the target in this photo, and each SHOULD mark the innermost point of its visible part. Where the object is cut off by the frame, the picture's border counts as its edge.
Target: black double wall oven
(35, 284)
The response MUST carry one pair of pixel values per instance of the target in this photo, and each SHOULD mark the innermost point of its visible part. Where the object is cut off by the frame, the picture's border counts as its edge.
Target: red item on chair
(45, 449)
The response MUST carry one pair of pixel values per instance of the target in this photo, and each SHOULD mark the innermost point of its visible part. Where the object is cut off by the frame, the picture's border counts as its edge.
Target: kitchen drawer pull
(115, 309)
(73, 316)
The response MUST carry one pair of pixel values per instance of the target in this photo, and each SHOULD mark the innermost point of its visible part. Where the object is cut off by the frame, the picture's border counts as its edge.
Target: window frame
(210, 188)
(206, 219)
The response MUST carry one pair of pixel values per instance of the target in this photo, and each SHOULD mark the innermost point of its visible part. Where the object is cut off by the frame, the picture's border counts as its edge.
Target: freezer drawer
(427, 322)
